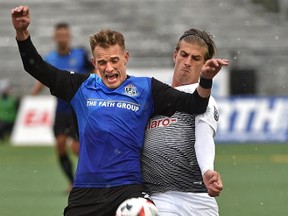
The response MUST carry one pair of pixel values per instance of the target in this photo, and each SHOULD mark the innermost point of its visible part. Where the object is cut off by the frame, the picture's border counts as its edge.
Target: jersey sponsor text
(119, 104)
(163, 122)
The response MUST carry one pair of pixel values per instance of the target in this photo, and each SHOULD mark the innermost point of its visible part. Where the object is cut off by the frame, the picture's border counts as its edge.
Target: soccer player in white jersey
(179, 151)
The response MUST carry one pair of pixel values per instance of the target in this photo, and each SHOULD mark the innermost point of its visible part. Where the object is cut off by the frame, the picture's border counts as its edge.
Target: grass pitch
(31, 182)
(255, 178)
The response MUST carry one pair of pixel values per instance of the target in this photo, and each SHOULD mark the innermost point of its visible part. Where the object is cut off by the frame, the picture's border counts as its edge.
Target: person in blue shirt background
(74, 59)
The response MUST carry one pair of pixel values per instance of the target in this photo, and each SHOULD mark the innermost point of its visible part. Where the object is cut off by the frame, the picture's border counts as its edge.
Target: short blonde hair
(106, 38)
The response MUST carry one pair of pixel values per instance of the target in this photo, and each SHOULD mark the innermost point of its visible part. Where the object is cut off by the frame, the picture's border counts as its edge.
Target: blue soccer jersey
(111, 122)
(111, 131)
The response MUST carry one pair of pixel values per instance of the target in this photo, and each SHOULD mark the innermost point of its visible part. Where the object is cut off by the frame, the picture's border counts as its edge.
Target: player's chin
(112, 84)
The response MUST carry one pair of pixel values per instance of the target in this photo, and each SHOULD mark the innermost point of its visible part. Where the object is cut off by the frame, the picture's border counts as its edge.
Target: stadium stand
(249, 34)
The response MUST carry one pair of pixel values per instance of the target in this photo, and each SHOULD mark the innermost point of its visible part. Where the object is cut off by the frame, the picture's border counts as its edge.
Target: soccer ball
(137, 207)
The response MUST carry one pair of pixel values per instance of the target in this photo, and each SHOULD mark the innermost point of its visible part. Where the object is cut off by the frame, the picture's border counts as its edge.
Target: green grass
(255, 180)
(31, 182)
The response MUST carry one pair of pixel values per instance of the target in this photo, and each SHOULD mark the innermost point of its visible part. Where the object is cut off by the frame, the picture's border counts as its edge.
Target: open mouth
(111, 77)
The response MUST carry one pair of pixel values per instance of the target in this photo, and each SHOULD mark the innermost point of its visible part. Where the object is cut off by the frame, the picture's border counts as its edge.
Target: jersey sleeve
(205, 129)
(211, 116)
(204, 146)
(62, 84)
(168, 100)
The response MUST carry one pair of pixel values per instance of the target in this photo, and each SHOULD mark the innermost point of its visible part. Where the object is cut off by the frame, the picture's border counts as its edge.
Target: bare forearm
(37, 88)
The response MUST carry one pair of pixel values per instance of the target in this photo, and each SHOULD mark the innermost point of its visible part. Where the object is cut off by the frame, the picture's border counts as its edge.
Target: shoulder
(191, 88)
(137, 84)
(92, 79)
(212, 102)
(136, 79)
(188, 88)
(79, 50)
(211, 116)
(51, 54)
(212, 110)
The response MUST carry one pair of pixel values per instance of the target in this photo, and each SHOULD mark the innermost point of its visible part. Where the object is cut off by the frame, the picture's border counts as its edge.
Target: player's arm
(205, 129)
(62, 84)
(205, 153)
(168, 100)
(37, 88)
(213, 182)
(209, 70)
(204, 146)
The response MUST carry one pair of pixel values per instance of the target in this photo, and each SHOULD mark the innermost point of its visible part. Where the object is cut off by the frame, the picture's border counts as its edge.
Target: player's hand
(21, 20)
(213, 182)
(212, 67)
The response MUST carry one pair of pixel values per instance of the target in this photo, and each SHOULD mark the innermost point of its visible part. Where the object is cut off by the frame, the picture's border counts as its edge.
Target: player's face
(62, 38)
(188, 60)
(111, 64)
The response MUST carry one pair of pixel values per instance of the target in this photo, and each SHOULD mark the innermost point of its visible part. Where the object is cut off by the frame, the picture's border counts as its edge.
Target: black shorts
(64, 124)
(100, 201)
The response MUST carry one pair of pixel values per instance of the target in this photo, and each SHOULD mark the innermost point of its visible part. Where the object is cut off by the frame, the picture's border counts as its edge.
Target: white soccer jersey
(169, 160)
(211, 116)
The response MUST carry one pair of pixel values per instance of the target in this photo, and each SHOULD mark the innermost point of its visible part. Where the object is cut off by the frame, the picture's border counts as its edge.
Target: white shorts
(173, 203)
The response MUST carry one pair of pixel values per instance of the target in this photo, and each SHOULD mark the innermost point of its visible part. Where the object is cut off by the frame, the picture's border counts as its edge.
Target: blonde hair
(106, 38)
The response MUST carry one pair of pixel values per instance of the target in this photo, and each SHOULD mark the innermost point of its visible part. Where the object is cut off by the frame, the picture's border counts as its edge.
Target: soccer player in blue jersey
(74, 59)
(112, 112)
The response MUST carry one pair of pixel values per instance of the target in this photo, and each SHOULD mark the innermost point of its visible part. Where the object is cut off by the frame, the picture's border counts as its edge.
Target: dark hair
(202, 38)
(61, 25)
(106, 38)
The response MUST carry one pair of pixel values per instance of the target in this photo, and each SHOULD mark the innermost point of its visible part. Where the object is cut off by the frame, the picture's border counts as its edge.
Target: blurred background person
(74, 59)
(179, 151)
(9, 105)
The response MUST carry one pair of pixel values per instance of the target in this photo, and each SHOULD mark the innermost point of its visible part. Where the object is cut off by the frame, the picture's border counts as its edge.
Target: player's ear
(93, 61)
(175, 55)
(126, 57)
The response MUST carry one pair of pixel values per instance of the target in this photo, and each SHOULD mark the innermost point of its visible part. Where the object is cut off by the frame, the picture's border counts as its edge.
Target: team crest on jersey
(216, 114)
(130, 90)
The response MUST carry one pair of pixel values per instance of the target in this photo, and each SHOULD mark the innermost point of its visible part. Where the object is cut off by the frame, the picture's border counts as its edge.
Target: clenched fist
(21, 20)
(213, 182)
